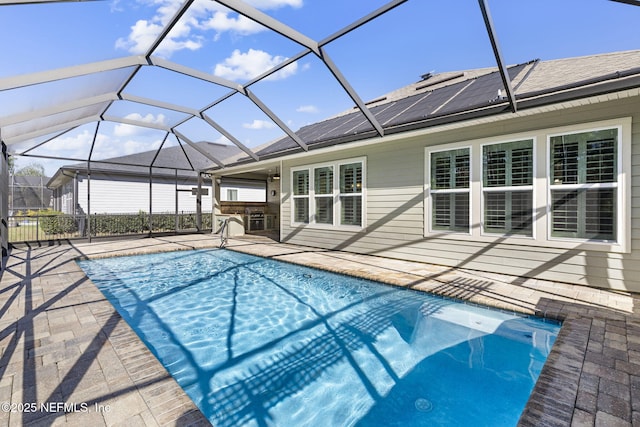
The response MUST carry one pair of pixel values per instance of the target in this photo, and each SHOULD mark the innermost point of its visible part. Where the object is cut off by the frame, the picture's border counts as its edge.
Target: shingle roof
(184, 159)
(449, 97)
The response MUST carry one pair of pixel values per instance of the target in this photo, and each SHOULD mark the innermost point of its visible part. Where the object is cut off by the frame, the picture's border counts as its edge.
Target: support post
(199, 203)
(215, 201)
(176, 192)
(150, 200)
(4, 204)
(89, 201)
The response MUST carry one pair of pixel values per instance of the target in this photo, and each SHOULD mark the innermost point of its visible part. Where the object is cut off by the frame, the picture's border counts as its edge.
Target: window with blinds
(507, 183)
(300, 184)
(350, 196)
(584, 185)
(323, 191)
(449, 190)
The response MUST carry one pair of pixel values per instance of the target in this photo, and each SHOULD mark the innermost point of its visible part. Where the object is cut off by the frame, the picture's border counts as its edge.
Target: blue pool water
(262, 343)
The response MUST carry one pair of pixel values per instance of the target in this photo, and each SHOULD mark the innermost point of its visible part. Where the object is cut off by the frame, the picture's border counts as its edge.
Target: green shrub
(54, 222)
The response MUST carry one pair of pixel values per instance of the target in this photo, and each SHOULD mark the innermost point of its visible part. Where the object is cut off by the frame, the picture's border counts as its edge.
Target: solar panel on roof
(483, 92)
(435, 100)
(343, 126)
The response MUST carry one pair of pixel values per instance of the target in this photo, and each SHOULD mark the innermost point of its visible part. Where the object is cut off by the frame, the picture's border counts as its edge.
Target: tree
(32, 169)
(12, 165)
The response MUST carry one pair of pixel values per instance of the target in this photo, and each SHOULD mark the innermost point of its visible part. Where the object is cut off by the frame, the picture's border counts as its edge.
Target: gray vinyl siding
(395, 207)
(113, 194)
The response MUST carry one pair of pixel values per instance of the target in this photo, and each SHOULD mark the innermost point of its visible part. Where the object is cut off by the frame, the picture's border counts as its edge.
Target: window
(232, 195)
(350, 197)
(323, 179)
(449, 190)
(507, 182)
(320, 197)
(502, 190)
(584, 185)
(300, 184)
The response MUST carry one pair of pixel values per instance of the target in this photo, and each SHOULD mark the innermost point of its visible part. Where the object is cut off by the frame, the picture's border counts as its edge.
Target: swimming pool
(255, 341)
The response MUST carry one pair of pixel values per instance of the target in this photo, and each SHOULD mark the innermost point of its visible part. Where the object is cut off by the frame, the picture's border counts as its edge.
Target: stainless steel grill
(255, 218)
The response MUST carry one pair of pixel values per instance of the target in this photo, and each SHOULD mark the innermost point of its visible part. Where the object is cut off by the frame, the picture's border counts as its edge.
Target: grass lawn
(26, 233)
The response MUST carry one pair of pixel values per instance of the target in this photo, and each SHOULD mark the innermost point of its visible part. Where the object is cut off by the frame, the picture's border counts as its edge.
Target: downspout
(280, 227)
(150, 200)
(176, 193)
(199, 203)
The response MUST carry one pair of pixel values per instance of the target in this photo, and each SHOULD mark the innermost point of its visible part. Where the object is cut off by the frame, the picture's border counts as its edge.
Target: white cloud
(274, 4)
(202, 16)
(74, 146)
(123, 129)
(223, 140)
(259, 124)
(245, 66)
(222, 22)
(311, 109)
(142, 34)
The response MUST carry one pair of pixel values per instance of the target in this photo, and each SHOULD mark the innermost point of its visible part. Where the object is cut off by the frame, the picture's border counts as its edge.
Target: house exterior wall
(245, 191)
(396, 203)
(114, 194)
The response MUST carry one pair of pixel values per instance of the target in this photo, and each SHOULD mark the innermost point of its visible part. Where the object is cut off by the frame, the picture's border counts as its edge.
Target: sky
(394, 50)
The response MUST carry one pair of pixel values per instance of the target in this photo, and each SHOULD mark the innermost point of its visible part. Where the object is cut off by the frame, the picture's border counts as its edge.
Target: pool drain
(423, 405)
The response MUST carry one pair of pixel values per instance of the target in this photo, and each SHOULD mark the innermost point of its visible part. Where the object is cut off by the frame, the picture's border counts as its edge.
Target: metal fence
(32, 228)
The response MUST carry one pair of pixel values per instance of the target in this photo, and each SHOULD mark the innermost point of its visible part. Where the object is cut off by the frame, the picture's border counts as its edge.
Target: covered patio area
(62, 341)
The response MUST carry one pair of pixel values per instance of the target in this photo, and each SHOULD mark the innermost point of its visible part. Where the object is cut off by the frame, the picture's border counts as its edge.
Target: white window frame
(622, 218)
(231, 192)
(430, 191)
(541, 227)
(336, 225)
(294, 196)
(485, 190)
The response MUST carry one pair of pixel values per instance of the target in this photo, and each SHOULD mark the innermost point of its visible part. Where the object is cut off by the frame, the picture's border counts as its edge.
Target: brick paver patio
(68, 358)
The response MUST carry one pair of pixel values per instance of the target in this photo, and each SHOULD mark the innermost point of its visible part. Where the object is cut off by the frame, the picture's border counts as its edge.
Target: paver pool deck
(68, 358)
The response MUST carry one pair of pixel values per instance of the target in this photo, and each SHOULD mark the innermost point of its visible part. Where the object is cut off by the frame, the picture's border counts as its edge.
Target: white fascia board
(69, 72)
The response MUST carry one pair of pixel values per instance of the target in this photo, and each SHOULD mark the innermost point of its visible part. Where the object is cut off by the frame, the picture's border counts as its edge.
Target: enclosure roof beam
(69, 72)
(230, 137)
(197, 148)
(168, 27)
(282, 125)
(351, 92)
(504, 73)
(139, 123)
(273, 24)
(631, 2)
(51, 129)
(57, 135)
(159, 104)
(191, 72)
(58, 108)
(19, 2)
(360, 22)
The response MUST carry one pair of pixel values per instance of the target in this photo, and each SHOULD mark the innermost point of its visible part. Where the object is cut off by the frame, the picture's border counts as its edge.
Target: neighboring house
(28, 193)
(550, 191)
(121, 185)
